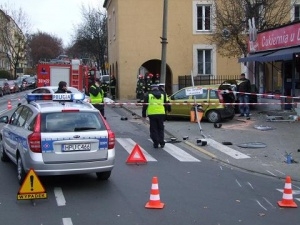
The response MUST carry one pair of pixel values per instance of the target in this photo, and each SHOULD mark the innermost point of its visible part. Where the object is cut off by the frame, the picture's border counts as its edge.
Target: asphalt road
(194, 188)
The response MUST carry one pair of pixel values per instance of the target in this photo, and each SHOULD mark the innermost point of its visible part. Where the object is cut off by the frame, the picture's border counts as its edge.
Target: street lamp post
(164, 44)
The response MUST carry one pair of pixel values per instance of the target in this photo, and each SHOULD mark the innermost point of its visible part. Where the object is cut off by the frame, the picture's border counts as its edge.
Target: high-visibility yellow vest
(98, 98)
(156, 106)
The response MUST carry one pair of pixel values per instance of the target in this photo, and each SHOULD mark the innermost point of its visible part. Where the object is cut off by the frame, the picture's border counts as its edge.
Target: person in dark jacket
(243, 88)
(140, 87)
(62, 87)
(112, 86)
(155, 108)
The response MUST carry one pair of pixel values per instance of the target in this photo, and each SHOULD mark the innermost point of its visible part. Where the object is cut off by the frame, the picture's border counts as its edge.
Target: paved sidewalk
(280, 139)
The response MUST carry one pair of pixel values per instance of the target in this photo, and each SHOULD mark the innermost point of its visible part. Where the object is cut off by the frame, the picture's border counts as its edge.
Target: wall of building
(138, 29)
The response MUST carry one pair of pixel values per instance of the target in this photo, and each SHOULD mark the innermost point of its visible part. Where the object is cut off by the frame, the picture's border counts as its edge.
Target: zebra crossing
(178, 153)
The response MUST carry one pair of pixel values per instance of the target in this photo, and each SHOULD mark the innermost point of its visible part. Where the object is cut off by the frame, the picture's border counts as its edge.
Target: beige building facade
(134, 42)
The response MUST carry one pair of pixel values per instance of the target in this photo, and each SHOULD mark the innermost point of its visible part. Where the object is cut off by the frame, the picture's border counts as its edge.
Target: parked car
(209, 97)
(13, 86)
(30, 82)
(55, 138)
(53, 89)
(232, 86)
(1, 87)
(6, 88)
(22, 82)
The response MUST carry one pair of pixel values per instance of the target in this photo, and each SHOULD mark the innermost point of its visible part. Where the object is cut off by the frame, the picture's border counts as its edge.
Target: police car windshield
(71, 121)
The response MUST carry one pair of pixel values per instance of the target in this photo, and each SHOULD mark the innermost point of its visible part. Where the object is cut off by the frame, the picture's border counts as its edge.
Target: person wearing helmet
(140, 87)
(148, 82)
(62, 87)
(155, 108)
(97, 96)
(157, 79)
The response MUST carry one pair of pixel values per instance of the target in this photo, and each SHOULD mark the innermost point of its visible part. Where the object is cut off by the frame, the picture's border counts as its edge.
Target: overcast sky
(56, 17)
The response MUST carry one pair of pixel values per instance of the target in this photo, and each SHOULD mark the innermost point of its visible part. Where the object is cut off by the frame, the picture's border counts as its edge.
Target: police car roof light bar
(55, 97)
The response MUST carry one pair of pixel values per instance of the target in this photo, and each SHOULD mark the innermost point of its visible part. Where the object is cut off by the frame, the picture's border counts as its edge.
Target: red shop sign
(283, 37)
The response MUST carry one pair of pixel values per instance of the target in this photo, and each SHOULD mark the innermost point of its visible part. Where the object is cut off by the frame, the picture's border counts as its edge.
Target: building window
(297, 13)
(203, 17)
(204, 58)
(203, 11)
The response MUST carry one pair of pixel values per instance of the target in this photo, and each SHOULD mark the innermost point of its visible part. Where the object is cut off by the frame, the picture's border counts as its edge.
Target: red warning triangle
(136, 156)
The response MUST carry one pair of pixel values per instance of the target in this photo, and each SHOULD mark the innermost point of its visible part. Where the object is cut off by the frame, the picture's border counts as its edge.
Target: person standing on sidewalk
(243, 88)
(112, 86)
(155, 108)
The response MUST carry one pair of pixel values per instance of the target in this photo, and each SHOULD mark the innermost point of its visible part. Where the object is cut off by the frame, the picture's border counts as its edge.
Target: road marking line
(261, 205)
(179, 154)
(60, 199)
(238, 182)
(250, 185)
(298, 199)
(271, 173)
(67, 221)
(269, 202)
(128, 144)
(294, 192)
(280, 172)
(200, 149)
(229, 151)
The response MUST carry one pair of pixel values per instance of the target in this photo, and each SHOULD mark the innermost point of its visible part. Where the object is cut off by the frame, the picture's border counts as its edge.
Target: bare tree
(91, 35)
(231, 22)
(44, 46)
(14, 30)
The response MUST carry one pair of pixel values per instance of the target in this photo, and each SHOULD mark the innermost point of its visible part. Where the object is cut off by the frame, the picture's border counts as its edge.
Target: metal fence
(185, 80)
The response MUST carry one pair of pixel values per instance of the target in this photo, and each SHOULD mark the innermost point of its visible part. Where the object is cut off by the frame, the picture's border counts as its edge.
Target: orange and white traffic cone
(9, 106)
(287, 198)
(154, 202)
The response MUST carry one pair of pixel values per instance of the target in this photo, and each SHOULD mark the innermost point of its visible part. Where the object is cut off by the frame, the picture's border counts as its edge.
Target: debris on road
(290, 118)
(263, 128)
(253, 145)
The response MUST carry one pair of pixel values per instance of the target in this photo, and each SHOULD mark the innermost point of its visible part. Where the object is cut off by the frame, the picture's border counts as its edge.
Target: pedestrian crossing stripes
(229, 151)
(128, 144)
(181, 155)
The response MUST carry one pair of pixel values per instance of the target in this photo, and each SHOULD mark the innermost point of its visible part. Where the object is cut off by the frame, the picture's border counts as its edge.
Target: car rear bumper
(227, 112)
(68, 168)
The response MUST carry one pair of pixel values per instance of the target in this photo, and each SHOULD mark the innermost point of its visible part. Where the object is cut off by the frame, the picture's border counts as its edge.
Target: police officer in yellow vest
(97, 96)
(155, 108)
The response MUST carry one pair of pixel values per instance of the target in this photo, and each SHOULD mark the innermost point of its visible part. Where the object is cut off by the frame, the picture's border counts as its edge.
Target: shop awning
(283, 54)
(254, 57)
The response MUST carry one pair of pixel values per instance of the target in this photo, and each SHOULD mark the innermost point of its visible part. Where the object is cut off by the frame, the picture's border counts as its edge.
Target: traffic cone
(154, 202)
(9, 106)
(287, 198)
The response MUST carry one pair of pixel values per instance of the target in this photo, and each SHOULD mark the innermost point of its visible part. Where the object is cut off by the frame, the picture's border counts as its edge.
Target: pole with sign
(197, 108)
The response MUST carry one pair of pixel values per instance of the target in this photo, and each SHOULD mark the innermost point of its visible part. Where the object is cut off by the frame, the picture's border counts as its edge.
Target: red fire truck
(76, 74)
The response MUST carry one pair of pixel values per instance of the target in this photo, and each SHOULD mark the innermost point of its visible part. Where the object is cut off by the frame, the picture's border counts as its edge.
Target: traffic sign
(31, 188)
(194, 91)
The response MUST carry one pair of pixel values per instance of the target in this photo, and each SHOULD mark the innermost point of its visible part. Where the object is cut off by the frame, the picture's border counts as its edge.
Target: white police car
(58, 134)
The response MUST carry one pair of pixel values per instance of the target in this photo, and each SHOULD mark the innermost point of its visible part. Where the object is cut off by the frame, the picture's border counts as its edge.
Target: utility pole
(164, 43)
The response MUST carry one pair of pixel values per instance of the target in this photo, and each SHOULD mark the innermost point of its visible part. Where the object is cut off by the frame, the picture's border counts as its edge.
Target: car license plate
(76, 147)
